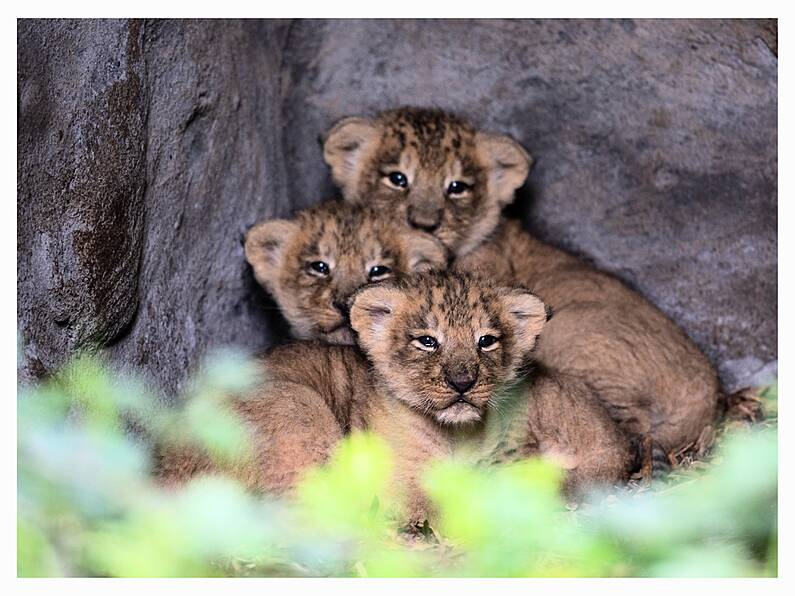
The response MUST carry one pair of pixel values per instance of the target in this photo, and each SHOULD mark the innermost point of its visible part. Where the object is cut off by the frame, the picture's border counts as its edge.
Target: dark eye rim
(403, 181)
(464, 187)
(491, 340)
(432, 344)
(387, 271)
(323, 270)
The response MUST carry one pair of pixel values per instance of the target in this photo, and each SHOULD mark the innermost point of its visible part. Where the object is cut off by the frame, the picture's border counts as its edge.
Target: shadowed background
(147, 148)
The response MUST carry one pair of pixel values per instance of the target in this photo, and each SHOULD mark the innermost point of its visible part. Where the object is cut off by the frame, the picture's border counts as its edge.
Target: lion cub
(445, 177)
(450, 353)
(444, 374)
(313, 263)
(431, 168)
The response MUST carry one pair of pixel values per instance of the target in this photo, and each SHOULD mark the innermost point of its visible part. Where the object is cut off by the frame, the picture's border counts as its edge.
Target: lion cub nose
(427, 222)
(462, 381)
(343, 308)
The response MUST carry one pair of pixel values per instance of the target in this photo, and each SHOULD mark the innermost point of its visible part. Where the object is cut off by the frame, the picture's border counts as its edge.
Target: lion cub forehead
(447, 301)
(427, 136)
(426, 124)
(341, 228)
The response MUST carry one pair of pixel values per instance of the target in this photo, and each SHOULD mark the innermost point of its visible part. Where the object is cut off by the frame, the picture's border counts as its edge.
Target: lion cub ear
(422, 252)
(344, 149)
(372, 309)
(507, 162)
(265, 249)
(527, 313)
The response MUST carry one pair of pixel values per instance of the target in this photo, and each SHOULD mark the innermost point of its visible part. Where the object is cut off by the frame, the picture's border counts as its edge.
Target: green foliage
(88, 506)
(352, 492)
(512, 522)
(770, 400)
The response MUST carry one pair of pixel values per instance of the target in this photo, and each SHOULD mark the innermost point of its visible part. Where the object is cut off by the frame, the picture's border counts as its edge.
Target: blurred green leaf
(339, 497)
(770, 401)
(228, 371)
(87, 504)
(707, 561)
(214, 425)
(35, 555)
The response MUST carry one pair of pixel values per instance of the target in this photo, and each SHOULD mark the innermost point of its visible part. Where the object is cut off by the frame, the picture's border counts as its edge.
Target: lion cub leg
(291, 429)
(569, 425)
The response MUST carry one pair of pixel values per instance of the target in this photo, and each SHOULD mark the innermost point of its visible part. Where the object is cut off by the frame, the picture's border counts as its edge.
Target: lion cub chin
(442, 355)
(313, 263)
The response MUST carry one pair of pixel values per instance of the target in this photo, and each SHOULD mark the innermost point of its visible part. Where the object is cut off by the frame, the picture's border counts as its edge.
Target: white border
(409, 8)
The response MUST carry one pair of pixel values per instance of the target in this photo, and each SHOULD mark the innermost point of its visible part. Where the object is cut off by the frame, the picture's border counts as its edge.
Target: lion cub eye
(457, 187)
(318, 268)
(426, 343)
(398, 180)
(488, 343)
(379, 272)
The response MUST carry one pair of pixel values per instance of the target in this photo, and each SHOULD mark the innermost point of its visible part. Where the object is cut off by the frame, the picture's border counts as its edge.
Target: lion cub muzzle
(425, 219)
(462, 380)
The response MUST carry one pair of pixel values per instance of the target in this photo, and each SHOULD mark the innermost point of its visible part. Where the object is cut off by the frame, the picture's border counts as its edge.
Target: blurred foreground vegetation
(87, 505)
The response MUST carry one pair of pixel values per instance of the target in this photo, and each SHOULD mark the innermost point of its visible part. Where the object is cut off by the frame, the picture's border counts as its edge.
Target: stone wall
(146, 149)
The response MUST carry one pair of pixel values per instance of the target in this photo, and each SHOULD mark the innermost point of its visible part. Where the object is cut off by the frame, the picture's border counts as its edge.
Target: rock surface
(81, 162)
(147, 148)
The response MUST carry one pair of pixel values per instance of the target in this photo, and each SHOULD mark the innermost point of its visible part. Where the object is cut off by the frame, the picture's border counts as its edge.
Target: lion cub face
(431, 167)
(445, 343)
(313, 263)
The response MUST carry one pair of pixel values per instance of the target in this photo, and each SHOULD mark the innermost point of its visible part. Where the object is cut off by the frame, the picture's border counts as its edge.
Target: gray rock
(655, 141)
(146, 150)
(81, 176)
(214, 166)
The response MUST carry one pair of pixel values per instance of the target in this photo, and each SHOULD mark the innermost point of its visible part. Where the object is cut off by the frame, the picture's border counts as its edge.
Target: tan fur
(424, 417)
(313, 395)
(571, 426)
(351, 240)
(316, 393)
(648, 372)
(651, 376)
(432, 149)
(456, 311)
